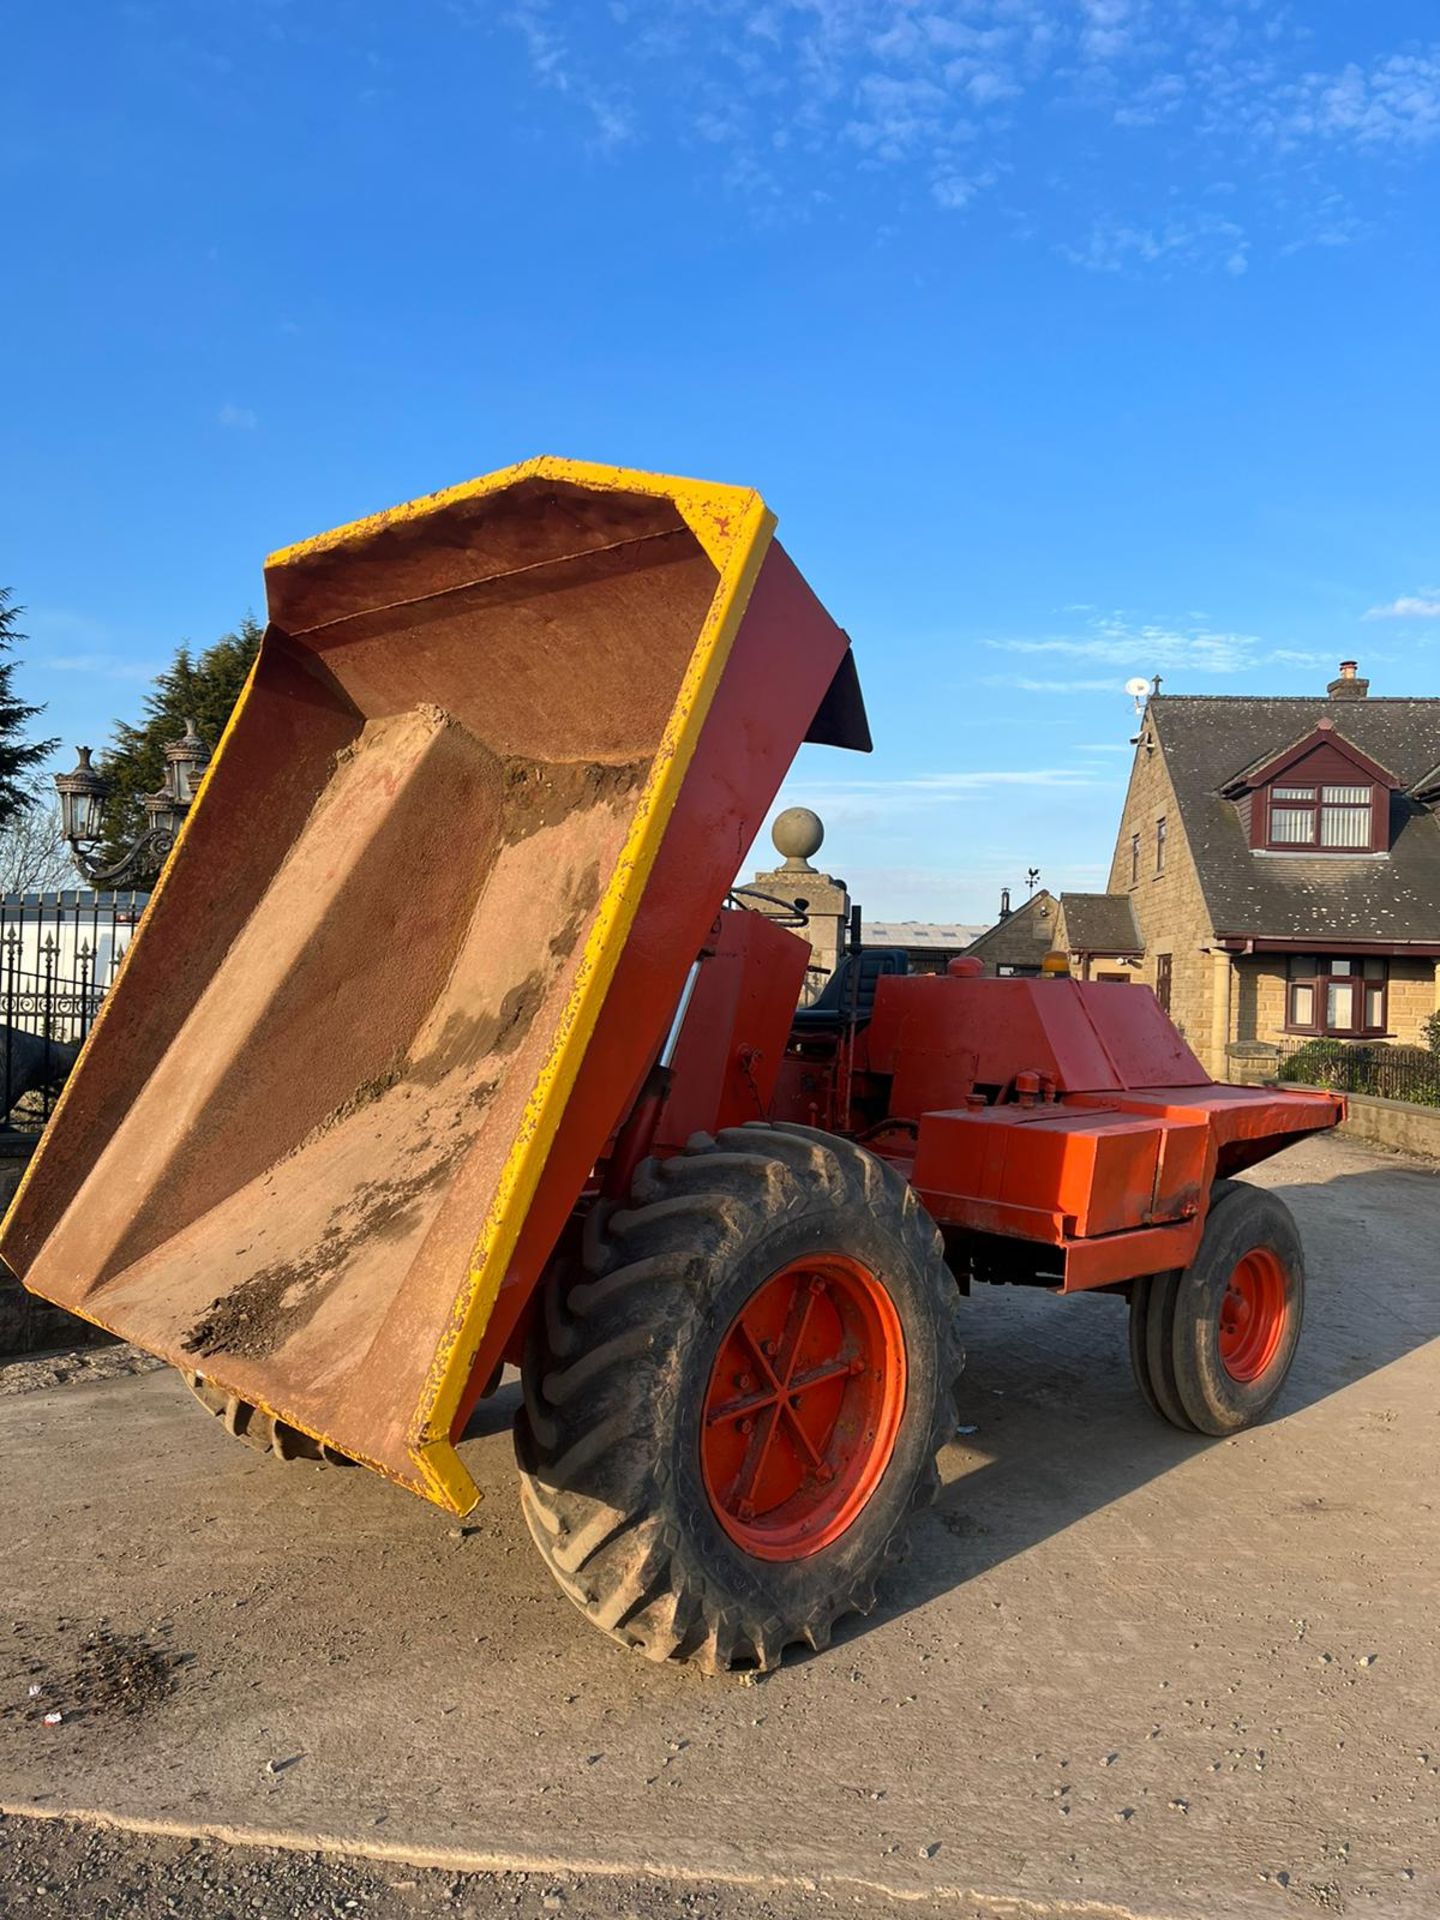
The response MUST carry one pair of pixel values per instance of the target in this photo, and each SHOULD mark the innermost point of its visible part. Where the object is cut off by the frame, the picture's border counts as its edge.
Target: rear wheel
(1211, 1344)
(733, 1407)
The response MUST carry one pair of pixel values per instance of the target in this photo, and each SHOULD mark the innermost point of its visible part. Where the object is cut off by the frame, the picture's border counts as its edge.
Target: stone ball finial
(797, 834)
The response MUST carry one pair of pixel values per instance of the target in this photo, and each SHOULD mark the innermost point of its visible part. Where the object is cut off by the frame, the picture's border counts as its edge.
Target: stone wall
(1395, 1124)
(1022, 938)
(1414, 996)
(1169, 907)
(1260, 984)
(827, 904)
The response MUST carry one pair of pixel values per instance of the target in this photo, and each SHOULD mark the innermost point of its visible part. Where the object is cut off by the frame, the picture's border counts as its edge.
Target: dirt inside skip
(257, 1317)
(262, 1312)
(541, 793)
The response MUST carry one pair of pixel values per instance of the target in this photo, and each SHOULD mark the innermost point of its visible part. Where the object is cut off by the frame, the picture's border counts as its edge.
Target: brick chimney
(1349, 686)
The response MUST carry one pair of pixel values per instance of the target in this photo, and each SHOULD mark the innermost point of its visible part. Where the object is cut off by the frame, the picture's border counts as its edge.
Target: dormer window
(1319, 795)
(1334, 819)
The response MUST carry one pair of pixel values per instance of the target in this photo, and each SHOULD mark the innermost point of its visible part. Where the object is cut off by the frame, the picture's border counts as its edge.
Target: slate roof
(1208, 739)
(1101, 923)
(1023, 938)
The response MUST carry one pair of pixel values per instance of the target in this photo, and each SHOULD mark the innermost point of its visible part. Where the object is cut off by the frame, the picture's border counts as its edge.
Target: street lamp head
(186, 760)
(163, 818)
(83, 793)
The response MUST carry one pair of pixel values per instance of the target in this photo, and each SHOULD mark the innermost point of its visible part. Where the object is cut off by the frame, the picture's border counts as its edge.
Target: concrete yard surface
(1124, 1672)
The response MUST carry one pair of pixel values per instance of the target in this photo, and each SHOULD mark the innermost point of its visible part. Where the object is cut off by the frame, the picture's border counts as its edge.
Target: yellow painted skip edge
(700, 503)
(445, 1478)
(733, 526)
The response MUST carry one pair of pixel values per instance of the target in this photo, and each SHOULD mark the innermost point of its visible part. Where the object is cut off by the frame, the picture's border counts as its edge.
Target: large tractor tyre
(1211, 1344)
(263, 1432)
(733, 1406)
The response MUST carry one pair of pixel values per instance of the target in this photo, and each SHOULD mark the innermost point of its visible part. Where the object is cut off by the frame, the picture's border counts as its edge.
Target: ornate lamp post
(84, 791)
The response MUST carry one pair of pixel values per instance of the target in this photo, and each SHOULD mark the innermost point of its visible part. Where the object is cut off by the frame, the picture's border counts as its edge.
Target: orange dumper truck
(444, 1044)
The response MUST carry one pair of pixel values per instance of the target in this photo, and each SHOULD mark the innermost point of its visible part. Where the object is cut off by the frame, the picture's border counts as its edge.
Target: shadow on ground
(1062, 1431)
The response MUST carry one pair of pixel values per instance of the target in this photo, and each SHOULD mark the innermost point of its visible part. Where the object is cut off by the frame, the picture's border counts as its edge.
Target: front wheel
(733, 1407)
(1211, 1344)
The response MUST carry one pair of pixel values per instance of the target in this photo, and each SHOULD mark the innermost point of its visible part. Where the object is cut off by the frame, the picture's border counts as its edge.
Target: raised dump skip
(300, 1146)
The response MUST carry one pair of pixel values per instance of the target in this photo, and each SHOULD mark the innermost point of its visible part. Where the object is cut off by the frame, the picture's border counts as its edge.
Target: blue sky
(1070, 340)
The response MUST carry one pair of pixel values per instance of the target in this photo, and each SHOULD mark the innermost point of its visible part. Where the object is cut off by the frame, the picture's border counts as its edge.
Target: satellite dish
(1138, 687)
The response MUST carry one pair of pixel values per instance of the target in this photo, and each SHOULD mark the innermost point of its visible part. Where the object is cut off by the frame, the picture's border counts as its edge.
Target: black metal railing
(59, 953)
(1388, 1072)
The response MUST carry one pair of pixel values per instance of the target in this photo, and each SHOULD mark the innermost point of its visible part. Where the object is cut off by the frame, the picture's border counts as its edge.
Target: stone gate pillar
(798, 833)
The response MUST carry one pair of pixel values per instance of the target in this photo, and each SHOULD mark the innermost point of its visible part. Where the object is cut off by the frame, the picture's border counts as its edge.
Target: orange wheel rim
(1253, 1312)
(803, 1407)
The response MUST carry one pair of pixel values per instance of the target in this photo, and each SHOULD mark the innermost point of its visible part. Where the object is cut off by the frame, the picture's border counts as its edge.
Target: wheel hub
(803, 1406)
(1252, 1314)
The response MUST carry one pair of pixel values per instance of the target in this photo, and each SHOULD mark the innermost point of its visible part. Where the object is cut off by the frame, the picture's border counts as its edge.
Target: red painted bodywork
(1059, 1130)
(789, 647)
(1071, 1115)
(733, 1039)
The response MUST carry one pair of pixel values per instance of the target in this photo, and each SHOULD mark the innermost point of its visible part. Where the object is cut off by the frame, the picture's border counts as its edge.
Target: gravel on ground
(55, 1867)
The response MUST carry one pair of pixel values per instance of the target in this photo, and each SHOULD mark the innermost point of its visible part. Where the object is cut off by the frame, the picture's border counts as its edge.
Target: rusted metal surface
(469, 779)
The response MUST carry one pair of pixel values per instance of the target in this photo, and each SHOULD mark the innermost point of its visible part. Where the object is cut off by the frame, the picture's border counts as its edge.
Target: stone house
(1281, 860)
(1098, 932)
(1020, 939)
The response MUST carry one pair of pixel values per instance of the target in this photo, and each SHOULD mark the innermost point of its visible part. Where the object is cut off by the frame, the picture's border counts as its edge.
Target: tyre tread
(619, 1558)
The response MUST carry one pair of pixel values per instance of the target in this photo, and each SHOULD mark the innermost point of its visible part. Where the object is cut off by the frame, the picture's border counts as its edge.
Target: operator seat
(830, 1010)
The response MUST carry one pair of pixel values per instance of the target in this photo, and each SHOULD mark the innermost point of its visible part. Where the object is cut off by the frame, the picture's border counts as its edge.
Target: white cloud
(1150, 647)
(102, 666)
(980, 782)
(1026, 684)
(955, 190)
(932, 100)
(901, 797)
(239, 419)
(609, 119)
(1184, 240)
(1393, 103)
(63, 641)
(1108, 28)
(1159, 98)
(1146, 648)
(939, 785)
(1412, 606)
